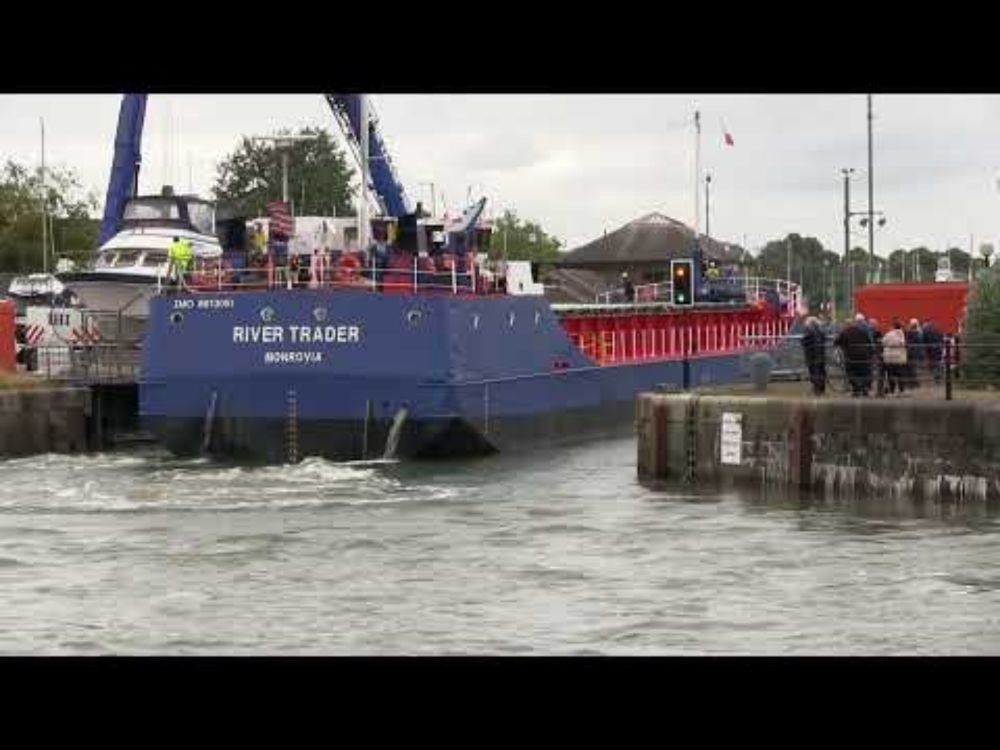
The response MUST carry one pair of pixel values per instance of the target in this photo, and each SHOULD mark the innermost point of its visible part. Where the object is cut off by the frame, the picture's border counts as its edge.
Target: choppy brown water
(560, 553)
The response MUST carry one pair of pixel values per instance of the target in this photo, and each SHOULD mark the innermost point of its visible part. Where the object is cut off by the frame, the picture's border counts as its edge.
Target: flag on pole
(726, 134)
(282, 225)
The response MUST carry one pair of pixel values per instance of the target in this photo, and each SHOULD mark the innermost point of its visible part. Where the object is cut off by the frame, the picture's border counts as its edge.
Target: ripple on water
(163, 555)
(200, 486)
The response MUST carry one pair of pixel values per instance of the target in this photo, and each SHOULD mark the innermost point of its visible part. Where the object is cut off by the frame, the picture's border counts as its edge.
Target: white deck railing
(755, 288)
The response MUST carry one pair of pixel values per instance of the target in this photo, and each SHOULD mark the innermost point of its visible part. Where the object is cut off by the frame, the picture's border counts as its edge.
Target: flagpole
(45, 208)
(697, 172)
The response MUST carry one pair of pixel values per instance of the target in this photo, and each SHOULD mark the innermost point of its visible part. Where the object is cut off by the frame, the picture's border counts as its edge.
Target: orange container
(941, 302)
(8, 350)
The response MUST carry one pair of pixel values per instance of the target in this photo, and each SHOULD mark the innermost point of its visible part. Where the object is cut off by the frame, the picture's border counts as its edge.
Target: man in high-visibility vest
(258, 240)
(180, 255)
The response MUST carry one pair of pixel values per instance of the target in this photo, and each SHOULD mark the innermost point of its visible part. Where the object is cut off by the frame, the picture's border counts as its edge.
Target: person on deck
(179, 257)
(627, 288)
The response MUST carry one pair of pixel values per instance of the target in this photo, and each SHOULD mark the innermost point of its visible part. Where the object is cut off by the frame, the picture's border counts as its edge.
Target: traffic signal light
(682, 278)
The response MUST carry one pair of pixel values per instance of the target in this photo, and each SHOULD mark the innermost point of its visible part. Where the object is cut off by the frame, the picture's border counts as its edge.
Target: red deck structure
(613, 337)
(942, 302)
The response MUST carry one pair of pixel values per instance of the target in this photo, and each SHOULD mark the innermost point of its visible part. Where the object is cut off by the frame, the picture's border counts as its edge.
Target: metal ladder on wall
(292, 429)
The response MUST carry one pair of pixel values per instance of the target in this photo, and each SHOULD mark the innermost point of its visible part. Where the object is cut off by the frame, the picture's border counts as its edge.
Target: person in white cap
(627, 287)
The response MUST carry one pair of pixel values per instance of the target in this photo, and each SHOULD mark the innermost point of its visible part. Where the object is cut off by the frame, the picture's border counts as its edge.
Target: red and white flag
(282, 225)
(726, 134)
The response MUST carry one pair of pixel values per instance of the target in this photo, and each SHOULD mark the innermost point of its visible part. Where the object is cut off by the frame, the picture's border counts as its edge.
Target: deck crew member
(627, 288)
(179, 254)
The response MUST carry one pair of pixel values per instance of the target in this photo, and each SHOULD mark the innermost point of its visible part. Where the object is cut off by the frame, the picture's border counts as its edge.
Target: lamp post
(986, 250)
(826, 288)
(708, 183)
(868, 221)
(282, 143)
(871, 193)
(847, 172)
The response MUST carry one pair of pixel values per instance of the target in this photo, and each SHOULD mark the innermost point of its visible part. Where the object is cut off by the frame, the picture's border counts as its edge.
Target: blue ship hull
(280, 375)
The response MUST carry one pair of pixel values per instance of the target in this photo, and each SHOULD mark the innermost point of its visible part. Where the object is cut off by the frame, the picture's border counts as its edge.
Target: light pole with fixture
(868, 221)
(708, 183)
(282, 143)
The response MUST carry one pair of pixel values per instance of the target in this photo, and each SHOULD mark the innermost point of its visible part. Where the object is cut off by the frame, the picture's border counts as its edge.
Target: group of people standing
(889, 362)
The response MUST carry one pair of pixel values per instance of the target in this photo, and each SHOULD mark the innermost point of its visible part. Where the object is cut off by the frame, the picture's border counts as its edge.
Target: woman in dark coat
(914, 352)
(814, 349)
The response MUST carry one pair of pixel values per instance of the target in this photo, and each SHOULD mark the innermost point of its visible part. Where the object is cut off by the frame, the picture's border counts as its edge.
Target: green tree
(959, 260)
(982, 332)
(818, 270)
(896, 269)
(517, 239)
(73, 231)
(319, 177)
(921, 264)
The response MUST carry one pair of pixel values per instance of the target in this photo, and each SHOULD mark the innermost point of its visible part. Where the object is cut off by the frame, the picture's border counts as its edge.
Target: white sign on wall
(731, 437)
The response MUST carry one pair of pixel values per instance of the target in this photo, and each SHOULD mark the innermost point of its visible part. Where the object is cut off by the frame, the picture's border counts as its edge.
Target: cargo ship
(426, 357)
(417, 343)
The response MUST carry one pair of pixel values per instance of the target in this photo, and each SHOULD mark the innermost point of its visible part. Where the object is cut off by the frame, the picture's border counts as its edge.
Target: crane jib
(124, 179)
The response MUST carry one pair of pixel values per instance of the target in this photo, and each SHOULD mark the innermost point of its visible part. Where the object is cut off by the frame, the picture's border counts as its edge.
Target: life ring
(348, 269)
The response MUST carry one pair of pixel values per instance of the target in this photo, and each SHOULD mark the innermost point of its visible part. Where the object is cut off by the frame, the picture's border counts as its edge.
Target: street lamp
(826, 288)
(847, 172)
(986, 250)
(708, 183)
(282, 143)
(867, 220)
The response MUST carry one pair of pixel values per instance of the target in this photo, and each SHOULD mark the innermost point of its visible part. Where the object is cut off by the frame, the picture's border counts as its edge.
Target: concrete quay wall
(920, 449)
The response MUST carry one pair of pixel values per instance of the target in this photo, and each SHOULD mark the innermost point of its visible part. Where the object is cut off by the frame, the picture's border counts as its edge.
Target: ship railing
(373, 278)
(661, 291)
(754, 288)
(616, 339)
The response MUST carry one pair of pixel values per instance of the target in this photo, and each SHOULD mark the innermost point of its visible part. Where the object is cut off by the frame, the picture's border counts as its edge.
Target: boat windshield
(202, 216)
(119, 258)
(151, 259)
(147, 209)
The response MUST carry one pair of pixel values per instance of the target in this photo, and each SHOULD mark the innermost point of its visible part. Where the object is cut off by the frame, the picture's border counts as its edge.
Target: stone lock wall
(927, 449)
(42, 420)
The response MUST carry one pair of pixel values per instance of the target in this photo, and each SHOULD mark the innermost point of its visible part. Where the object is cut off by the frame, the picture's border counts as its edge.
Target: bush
(982, 332)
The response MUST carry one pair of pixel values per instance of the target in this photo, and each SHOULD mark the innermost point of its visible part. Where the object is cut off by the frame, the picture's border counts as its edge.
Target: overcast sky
(583, 164)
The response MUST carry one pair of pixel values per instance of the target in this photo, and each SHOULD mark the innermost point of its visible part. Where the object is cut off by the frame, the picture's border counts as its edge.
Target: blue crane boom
(124, 180)
(386, 185)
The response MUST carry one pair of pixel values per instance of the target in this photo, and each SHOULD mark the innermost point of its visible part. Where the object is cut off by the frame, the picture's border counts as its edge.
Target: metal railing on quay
(89, 364)
(928, 370)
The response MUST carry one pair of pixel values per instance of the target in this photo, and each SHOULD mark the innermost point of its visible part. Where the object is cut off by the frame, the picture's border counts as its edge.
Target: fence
(111, 352)
(94, 363)
(729, 290)
(420, 275)
(931, 370)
